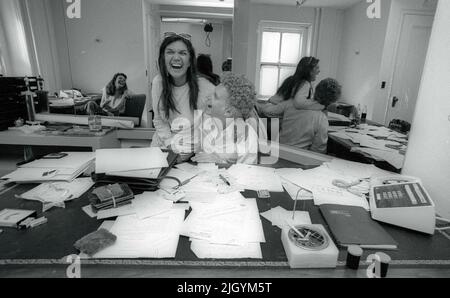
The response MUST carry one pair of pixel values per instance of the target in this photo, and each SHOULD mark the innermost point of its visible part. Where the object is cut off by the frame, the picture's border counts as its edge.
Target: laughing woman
(176, 93)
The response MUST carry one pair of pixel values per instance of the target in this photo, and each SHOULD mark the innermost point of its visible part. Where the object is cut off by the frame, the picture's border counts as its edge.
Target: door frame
(404, 13)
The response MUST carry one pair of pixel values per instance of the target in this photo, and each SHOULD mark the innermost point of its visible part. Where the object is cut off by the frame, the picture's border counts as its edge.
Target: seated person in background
(299, 86)
(306, 129)
(205, 69)
(229, 126)
(114, 97)
(226, 67)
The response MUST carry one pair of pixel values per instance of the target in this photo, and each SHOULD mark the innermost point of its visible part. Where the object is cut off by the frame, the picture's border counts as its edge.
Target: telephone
(404, 202)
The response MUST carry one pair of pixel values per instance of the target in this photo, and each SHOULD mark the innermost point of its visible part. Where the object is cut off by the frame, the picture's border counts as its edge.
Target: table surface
(343, 149)
(42, 251)
(14, 137)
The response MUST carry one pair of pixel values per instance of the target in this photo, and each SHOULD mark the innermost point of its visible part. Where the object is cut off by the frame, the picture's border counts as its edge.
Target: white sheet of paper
(149, 204)
(232, 221)
(320, 182)
(176, 173)
(256, 178)
(88, 210)
(206, 250)
(113, 212)
(129, 159)
(187, 167)
(394, 158)
(148, 174)
(73, 160)
(55, 192)
(155, 237)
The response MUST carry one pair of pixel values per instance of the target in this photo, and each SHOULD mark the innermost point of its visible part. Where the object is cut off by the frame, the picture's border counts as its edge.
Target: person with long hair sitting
(177, 91)
(299, 86)
(114, 97)
(306, 129)
(205, 69)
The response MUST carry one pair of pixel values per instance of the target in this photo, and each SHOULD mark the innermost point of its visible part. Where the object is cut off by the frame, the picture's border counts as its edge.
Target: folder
(353, 226)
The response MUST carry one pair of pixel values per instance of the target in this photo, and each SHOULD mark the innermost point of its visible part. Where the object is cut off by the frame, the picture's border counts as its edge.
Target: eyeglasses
(182, 35)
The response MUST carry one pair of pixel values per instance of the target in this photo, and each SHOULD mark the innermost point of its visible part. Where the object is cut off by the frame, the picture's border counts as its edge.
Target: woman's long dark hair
(111, 87)
(167, 100)
(302, 75)
(205, 69)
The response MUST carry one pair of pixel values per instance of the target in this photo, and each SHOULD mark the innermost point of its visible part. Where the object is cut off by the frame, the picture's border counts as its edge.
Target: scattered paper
(155, 237)
(256, 178)
(129, 159)
(150, 204)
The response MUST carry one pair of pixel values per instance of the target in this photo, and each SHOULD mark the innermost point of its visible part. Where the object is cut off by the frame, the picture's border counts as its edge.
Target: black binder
(139, 184)
(353, 226)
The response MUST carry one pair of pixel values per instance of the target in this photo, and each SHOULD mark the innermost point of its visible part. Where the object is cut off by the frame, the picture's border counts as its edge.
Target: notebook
(353, 226)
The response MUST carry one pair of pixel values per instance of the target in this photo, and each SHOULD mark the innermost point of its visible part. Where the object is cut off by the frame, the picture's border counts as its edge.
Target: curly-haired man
(230, 125)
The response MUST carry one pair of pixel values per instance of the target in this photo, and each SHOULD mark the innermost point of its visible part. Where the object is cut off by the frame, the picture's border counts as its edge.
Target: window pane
(285, 72)
(269, 80)
(270, 49)
(291, 48)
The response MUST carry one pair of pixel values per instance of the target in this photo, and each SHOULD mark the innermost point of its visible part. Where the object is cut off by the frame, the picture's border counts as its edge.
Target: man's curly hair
(328, 91)
(242, 94)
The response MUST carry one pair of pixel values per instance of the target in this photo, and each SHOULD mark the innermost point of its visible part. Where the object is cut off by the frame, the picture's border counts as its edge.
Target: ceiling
(311, 3)
(230, 3)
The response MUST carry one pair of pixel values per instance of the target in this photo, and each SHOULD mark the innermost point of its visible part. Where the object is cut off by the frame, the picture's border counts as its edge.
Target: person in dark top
(205, 69)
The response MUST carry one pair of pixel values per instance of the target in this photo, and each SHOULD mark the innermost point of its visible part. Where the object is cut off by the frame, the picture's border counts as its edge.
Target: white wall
(428, 155)
(361, 55)
(248, 16)
(389, 50)
(227, 51)
(198, 40)
(119, 27)
(17, 60)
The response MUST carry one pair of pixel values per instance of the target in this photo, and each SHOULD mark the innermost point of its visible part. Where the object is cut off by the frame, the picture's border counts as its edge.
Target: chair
(134, 107)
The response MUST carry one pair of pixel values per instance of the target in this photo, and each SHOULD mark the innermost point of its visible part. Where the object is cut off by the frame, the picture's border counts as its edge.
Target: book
(13, 217)
(353, 226)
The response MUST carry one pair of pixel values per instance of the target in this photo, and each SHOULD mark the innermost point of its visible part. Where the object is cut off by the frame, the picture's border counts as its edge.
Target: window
(281, 46)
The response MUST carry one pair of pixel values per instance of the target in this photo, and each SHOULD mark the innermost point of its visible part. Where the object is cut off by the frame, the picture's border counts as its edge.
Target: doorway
(408, 66)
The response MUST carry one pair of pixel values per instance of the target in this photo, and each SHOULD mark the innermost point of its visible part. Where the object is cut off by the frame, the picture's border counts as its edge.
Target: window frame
(305, 29)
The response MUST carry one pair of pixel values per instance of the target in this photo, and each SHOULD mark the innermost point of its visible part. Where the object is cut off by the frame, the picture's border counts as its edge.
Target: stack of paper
(283, 218)
(256, 178)
(227, 228)
(131, 162)
(154, 237)
(43, 170)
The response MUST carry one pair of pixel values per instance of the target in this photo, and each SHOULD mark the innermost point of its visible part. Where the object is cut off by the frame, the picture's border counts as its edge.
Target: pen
(185, 182)
(224, 180)
(295, 230)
